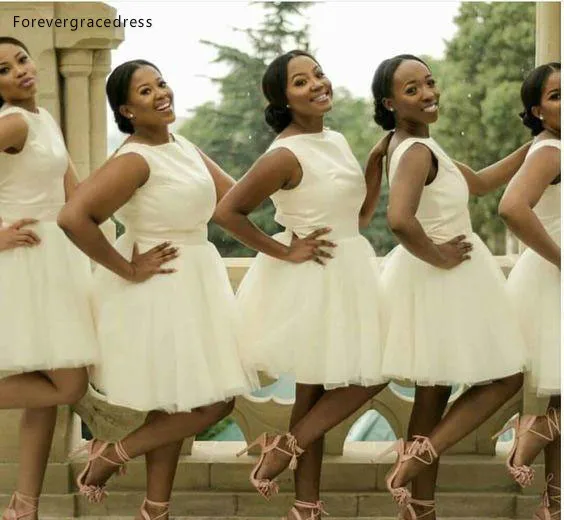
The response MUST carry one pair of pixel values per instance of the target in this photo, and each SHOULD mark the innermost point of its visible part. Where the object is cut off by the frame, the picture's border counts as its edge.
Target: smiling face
(549, 109)
(18, 74)
(308, 90)
(415, 96)
(149, 100)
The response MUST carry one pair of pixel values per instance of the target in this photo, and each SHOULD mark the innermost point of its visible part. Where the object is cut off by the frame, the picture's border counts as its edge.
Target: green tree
(485, 64)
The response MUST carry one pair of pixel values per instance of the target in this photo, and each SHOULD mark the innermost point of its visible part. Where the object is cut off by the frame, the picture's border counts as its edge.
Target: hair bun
(277, 117)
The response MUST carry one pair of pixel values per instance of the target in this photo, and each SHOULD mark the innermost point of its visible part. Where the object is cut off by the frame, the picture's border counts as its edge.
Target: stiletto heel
(544, 512)
(524, 474)
(267, 487)
(145, 513)
(11, 512)
(94, 493)
(315, 509)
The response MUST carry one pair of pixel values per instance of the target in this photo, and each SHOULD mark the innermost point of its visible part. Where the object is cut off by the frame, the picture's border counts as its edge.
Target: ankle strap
(547, 496)
(553, 422)
(152, 503)
(121, 453)
(422, 446)
(424, 503)
(316, 508)
(26, 500)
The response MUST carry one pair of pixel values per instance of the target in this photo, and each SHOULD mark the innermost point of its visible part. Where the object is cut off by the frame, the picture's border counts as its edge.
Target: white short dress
(45, 311)
(169, 343)
(534, 287)
(319, 323)
(452, 326)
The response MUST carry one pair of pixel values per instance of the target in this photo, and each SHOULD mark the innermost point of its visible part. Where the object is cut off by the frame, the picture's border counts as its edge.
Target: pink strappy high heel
(147, 502)
(315, 509)
(12, 513)
(93, 493)
(544, 512)
(408, 513)
(420, 449)
(524, 474)
(267, 487)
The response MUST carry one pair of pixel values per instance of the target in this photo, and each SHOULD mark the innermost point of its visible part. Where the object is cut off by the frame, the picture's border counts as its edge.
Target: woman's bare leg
(552, 459)
(428, 408)
(160, 429)
(468, 412)
(332, 408)
(161, 470)
(43, 389)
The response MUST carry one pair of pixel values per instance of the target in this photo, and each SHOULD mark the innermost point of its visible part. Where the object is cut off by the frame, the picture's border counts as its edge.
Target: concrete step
(249, 506)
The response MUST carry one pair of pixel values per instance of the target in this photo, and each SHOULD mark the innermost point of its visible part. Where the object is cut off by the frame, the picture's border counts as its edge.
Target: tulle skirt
(319, 323)
(45, 309)
(169, 343)
(534, 288)
(452, 326)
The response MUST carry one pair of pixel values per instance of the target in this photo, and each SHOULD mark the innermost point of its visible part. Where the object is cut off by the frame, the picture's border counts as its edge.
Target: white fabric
(45, 312)
(169, 343)
(320, 324)
(447, 326)
(534, 286)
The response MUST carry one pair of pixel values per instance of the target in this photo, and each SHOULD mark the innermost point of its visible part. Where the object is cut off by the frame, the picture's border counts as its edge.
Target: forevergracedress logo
(81, 23)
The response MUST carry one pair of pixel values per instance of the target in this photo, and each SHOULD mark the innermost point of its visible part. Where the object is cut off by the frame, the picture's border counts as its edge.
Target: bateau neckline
(7, 107)
(323, 132)
(174, 141)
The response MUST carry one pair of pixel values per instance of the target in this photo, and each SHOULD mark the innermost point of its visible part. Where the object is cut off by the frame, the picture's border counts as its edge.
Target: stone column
(547, 32)
(76, 67)
(101, 66)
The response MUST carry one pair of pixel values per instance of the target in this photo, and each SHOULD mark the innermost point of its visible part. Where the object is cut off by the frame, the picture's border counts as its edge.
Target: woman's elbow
(396, 222)
(507, 209)
(66, 219)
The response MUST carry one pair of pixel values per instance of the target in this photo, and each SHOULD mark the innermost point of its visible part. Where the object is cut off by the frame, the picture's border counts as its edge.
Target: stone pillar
(101, 66)
(76, 67)
(547, 32)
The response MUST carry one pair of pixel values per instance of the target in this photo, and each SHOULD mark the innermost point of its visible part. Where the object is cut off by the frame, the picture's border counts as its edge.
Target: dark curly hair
(531, 94)
(12, 41)
(117, 90)
(277, 115)
(382, 88)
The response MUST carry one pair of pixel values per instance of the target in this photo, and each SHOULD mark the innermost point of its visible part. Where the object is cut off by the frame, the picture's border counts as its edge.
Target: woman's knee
(73, 387)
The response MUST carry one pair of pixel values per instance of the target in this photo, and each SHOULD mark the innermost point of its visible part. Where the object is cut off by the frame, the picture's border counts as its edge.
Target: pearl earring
(541, 118)
(391, 109)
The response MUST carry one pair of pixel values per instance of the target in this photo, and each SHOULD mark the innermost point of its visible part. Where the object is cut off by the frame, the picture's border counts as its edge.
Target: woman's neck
(152, 135)
(29, 104)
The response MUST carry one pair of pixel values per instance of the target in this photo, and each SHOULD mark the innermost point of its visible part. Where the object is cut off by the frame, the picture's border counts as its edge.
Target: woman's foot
(104, 459)
(418, 510)
(412, 458)
(151, 510)
(277, 460)
(532, 434)
(306, 511)
(21, 507)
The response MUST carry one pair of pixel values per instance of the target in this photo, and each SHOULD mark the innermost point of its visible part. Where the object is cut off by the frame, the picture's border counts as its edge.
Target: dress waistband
(187, 238)
(46, 212)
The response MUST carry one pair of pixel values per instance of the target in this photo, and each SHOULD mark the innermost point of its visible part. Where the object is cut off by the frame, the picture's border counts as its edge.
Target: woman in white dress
(310, 301)
(448, 318)
(47, 336)
(531, 208)
(164, 307)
